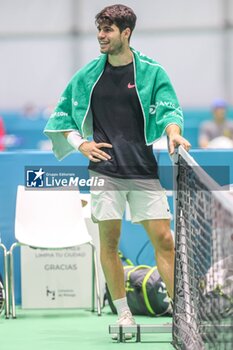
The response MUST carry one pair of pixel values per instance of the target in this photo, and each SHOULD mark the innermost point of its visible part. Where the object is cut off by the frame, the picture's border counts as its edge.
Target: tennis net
(203, 307)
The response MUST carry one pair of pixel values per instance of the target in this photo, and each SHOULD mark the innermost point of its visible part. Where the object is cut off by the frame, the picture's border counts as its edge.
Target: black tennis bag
(146, 292)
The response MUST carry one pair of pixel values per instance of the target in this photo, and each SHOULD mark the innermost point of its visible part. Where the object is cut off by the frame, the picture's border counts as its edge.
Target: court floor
(71, 330)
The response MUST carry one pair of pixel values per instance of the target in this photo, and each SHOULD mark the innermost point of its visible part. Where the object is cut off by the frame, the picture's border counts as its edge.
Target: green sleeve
(61, 120)
(168, 110)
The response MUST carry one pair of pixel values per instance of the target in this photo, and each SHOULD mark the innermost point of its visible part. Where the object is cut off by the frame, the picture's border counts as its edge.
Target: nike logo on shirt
(131, 86)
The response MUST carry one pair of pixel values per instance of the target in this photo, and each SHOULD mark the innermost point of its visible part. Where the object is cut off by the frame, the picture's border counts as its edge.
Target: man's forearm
(74, 138)
(175, 138)
(172, 129)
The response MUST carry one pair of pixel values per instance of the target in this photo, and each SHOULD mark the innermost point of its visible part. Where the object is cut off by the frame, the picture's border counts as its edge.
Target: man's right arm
(89, 149)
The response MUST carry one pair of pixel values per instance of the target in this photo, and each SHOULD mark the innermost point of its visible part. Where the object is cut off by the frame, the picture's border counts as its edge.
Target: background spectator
(217, 133)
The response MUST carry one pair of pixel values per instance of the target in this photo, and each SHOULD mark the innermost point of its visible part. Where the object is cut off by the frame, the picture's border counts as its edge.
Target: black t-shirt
(118, 119)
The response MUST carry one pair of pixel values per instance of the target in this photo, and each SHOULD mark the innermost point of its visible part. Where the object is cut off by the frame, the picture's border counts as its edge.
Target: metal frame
(95, 278)
(137, 330)
(6, 284)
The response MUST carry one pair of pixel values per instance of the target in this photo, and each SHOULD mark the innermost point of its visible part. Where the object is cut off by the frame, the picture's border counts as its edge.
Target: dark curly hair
(120, 15)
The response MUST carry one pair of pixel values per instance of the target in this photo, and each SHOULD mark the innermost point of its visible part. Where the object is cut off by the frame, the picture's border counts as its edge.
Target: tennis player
(125, 100)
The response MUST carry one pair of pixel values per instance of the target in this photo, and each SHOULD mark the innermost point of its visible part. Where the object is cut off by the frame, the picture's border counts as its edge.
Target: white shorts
(146, 198)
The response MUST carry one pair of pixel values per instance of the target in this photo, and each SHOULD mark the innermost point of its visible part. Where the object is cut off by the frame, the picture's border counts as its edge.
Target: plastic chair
(4, 302)
(51, 219)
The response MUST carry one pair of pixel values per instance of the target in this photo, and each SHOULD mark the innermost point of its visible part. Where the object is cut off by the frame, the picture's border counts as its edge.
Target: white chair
(51, 219)
(4, 302)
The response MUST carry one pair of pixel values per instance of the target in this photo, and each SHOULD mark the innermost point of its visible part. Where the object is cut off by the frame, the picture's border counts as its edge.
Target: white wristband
(75, 139)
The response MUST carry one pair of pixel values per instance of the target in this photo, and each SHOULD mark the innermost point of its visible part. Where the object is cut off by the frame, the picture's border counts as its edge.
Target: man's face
(111, 40)
(219, 114)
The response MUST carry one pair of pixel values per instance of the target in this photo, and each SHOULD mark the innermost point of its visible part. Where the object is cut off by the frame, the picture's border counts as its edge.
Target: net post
(175, 158)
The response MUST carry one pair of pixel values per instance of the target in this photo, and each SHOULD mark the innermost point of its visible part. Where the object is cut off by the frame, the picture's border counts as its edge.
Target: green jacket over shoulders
(160, 106)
